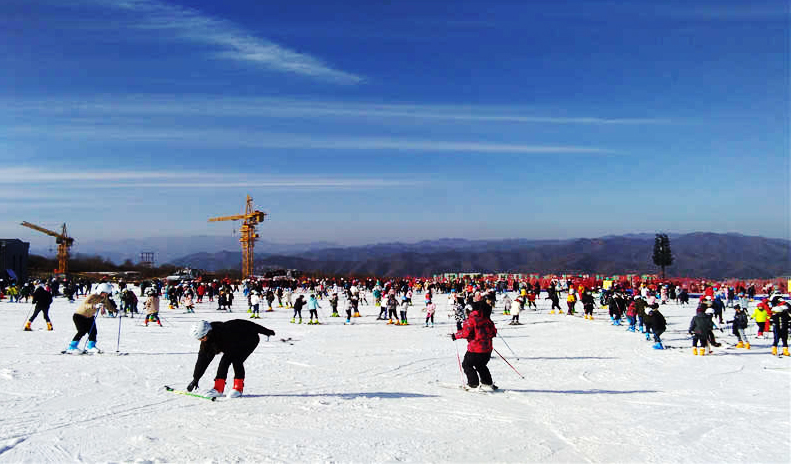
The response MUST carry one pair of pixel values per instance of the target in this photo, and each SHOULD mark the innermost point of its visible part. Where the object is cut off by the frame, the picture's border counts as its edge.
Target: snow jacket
(780, 316)
(42, 298)
(94, 303)
(701, 324)
(632, 310)
(313, 303)
(655, 321)
(236, 339)
(478, 329)
(760, 315)
(152, 304)
(739, 321)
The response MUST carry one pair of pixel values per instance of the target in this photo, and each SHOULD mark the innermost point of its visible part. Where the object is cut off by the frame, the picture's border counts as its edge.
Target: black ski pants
(84, 325)
(236, 360)
(44, 311)
(474, 366)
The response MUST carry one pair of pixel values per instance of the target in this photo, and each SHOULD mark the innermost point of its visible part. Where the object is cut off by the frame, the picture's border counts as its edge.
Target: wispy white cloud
(256, 139)
(230, 40)
(156, 105)
(49, 183)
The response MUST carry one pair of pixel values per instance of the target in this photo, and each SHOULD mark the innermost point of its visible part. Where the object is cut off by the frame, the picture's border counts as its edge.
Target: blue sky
(366, 122)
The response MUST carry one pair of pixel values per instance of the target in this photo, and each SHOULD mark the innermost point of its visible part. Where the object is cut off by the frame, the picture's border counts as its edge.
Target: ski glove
(269, 332)
(453, 337)
(193, 385)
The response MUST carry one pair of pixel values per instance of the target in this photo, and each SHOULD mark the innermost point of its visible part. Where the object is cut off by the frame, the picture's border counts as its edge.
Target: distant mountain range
(699, 254)
(169, 249)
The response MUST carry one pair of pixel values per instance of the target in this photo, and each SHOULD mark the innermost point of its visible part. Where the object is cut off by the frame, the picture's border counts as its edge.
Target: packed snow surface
(371, 392)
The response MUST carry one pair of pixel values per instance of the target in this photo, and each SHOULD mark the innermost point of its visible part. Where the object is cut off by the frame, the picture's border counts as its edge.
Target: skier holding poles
(236, 340)
(85, 317)
(479, 330)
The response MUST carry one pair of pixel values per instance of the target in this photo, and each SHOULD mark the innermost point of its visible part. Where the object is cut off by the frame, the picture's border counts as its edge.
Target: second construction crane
(250, 219)
(64, 243)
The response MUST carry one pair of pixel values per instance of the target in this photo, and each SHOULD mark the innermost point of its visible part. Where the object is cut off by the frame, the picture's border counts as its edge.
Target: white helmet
(200, 329)
(104, 288)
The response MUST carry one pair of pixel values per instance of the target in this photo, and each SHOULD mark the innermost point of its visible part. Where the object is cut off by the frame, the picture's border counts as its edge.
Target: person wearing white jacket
(515, 309)
(255, 303)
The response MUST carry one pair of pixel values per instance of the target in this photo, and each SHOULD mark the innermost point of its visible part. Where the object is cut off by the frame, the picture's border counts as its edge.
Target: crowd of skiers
(637, 309)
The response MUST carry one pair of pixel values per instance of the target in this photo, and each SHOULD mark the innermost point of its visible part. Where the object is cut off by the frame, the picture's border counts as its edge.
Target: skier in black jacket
(235, 339)
(700, 327)
(42, 298)
(655, 323)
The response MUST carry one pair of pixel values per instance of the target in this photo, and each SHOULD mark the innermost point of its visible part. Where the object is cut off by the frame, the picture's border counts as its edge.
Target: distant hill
(701, 254)
(168, 249)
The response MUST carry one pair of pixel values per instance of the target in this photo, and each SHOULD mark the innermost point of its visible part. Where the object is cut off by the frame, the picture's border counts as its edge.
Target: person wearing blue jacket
(313, 306)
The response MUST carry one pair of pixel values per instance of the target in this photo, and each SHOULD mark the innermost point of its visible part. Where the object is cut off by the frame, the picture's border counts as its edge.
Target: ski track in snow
(368, 393)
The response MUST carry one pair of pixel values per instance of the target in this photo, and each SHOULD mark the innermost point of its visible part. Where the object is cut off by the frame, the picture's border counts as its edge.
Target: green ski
(181, 392)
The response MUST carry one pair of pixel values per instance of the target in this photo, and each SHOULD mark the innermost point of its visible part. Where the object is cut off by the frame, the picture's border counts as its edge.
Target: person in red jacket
(478, 330)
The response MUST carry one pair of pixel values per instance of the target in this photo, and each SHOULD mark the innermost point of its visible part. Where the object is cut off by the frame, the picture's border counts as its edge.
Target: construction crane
(64, 243)
(251, 218)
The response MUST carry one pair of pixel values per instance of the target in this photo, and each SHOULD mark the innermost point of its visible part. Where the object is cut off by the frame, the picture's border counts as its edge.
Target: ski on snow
(91, 353)
(185, 393)
(464, 388)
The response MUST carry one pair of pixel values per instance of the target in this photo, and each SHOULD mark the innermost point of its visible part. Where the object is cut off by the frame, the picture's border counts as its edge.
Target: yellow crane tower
(251, 218)
(64, 243)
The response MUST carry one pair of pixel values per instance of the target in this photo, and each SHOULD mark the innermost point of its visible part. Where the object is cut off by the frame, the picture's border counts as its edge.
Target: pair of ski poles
(458, 358)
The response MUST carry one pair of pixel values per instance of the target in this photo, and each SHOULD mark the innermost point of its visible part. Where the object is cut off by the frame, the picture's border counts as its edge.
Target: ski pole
(93, 326)
(29, 311)
(458, 358)
(118, 343)
(509, 364)
(509, 347)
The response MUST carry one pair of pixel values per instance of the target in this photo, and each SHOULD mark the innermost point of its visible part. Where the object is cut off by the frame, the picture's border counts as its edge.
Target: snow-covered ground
(370, 392)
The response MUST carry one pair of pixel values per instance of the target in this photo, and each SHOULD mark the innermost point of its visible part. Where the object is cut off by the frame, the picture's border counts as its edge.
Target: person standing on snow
(236, 340)
(152, 307)
(42, 298)
(479, 330)
(740, 322)
(298, 304)
(313, 307)
(780, 318)
(85, 317)
(255, 305)
(655, 323)
(700, 327)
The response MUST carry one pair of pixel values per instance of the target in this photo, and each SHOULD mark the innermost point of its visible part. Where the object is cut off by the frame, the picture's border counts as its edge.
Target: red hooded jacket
(478, 330)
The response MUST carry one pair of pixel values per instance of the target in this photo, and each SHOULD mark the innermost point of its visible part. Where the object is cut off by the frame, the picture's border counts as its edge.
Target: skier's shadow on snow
(586, 392)
(555, 358)
(346, 396)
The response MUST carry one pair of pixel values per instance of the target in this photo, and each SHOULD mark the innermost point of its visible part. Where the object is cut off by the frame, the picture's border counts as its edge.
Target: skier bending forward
(235, 339)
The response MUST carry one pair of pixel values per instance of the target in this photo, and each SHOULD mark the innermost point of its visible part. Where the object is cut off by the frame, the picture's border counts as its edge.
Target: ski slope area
(370, 392)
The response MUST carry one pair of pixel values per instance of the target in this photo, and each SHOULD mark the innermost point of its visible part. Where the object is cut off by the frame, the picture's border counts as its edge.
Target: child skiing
(152, 307)
(761, 316)
(431, 308)
(655, 323)
(587, 304)
(739, 324)
(699, 328)
(255, 305)
(506, 305)
(313, 306)
(298, 304)
(235, 339)
(391, 304)
(515, 313)
(403, 311)
(334, 305)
